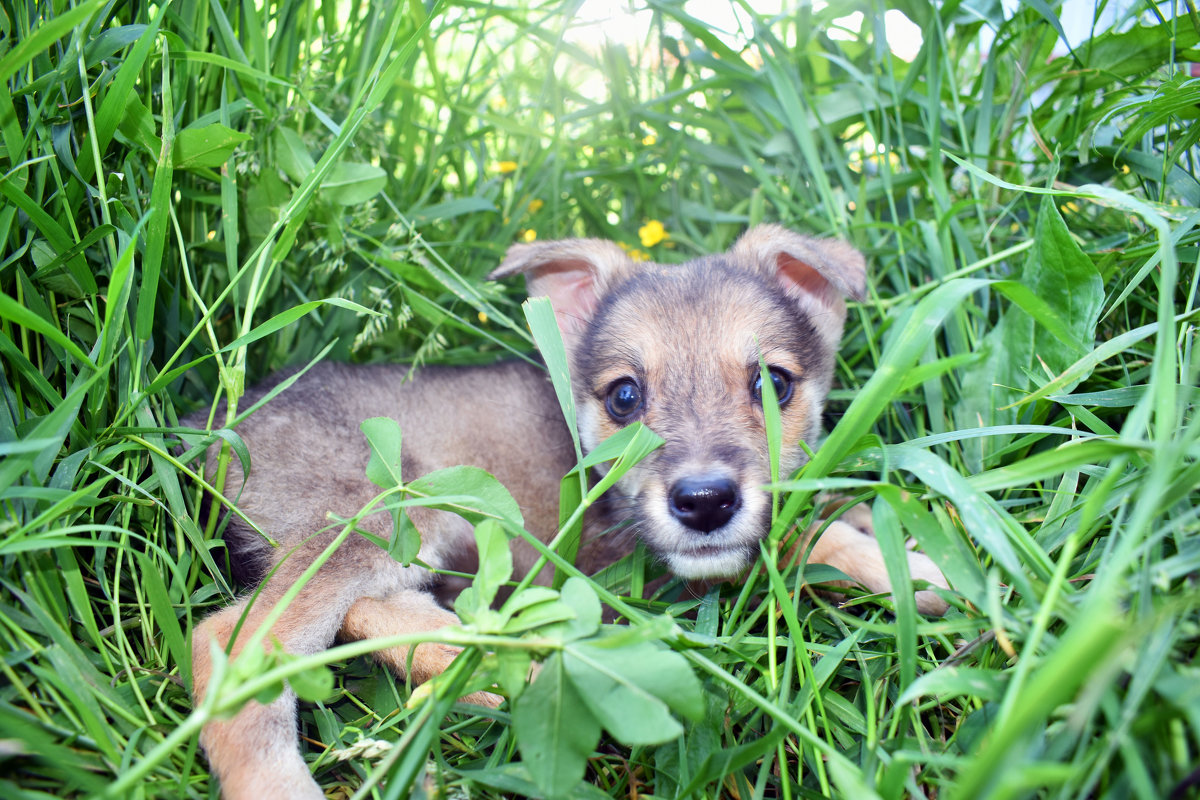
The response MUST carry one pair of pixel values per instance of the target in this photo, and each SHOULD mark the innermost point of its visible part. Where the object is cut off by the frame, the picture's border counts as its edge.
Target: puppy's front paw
(485, 699)
(922, 568)
(857, 516)
(857, 554)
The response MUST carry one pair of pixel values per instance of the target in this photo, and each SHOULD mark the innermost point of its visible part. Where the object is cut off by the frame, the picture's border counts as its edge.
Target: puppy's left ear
(815, 273)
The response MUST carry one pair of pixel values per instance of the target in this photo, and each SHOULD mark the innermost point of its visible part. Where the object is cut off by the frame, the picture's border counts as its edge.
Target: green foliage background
(193, 194)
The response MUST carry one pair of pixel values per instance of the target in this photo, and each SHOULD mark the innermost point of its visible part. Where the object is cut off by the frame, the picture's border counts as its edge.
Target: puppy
(675, 347)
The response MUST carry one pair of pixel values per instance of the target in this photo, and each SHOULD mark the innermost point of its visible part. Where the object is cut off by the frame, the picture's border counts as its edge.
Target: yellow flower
(535, 205)
(483, 317)
(638, 255)
(652, 233)
(505, 167)
(649, 140)
(528, 235)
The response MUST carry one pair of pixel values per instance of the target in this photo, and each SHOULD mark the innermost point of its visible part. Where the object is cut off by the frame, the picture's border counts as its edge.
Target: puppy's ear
(573, 273)
(816, 273)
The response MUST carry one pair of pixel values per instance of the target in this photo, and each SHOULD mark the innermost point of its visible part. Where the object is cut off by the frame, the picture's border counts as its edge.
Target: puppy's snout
(704, 503)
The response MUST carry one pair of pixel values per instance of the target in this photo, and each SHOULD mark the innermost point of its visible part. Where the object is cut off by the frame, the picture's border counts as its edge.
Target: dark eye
(624, 399)
(781, 381)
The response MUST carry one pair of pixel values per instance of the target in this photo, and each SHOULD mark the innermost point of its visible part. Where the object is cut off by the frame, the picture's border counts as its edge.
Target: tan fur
(685, 341)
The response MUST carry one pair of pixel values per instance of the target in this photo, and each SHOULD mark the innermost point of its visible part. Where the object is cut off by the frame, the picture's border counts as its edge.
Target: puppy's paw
(857, 516)
(858, 555)
(922, 568)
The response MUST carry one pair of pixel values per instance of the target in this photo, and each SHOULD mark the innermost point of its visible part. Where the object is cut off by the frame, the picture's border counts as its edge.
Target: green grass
(193, 195)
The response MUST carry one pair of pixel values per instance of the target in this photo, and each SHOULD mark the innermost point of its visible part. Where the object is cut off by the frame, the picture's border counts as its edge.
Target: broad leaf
(349, 184)
(209, 146)
(383, 437)
(495, 567)
(555, 732)
(579, 595)
(629, 689)
(471, 492)
(292, 154)
(1051, 325)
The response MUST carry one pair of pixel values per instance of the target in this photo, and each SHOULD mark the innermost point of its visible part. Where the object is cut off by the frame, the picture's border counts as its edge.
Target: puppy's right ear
(573, 273)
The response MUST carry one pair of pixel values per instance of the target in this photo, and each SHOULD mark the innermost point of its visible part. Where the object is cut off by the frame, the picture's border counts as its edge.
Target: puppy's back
(308, 455)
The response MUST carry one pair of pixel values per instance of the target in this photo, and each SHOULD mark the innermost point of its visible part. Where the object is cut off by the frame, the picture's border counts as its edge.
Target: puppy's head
(678, 348)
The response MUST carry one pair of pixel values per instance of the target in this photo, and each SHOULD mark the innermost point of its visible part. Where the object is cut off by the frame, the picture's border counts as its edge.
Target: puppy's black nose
(704, 503)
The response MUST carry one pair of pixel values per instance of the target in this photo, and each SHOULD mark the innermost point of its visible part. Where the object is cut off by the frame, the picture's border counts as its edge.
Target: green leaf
(495, 567)
(547, 618)
(528, 597)
(555, 731)
(625, 449)
(383, 438)
(581, 597)
(383, 469)
(570, 523)
(209, 146)
(630, 688)
(1053, 324)
(119, 289)
(405, 544)
(312, 685)
(291, 153)
(985, 521)
(539, 314)
(472, 493)
(495, 559)
(250, 663)
(1060, 274)
(1052, 463)
(54, 426)
(351, 183)
(949, 682)
(512, 670)
(886, 524)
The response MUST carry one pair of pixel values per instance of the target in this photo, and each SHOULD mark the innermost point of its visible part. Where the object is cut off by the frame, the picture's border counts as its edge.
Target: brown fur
(685, 340)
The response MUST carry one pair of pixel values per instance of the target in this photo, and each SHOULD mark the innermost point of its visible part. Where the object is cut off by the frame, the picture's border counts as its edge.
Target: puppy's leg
(857, 554)
(255, 754)
(404, 612)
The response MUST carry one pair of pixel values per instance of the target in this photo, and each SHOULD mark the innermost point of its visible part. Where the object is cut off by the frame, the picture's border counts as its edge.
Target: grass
(194, 195)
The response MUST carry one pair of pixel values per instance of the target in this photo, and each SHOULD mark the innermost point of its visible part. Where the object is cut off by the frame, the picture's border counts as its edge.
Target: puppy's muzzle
(704, 503)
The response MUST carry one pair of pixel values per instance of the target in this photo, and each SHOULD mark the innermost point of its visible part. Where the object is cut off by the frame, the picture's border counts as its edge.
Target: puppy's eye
(624, 399)
(781, 381)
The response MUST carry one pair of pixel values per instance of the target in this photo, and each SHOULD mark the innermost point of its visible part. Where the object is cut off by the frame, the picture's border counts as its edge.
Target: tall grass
(196, 194)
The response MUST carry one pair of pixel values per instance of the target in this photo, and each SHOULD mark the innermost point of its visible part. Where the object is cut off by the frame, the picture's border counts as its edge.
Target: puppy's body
(677, 348)
(307, 445)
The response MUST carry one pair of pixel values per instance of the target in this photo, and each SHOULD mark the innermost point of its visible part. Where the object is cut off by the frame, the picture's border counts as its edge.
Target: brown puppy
(674, 347)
